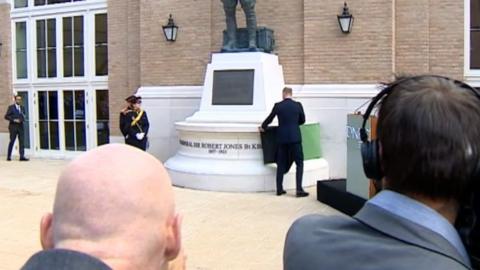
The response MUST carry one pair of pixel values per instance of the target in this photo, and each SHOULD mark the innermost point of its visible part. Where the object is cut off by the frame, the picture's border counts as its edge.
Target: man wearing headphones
(427, 159)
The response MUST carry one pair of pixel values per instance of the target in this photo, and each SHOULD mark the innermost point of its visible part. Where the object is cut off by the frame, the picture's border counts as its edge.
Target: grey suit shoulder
(374, 239)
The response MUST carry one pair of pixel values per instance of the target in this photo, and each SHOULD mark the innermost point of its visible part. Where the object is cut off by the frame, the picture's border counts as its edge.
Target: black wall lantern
(345, 20)
(170, 30)
(1, 44)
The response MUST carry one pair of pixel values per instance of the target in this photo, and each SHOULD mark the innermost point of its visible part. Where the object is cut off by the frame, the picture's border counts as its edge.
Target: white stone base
(228, 157)
(240, 176)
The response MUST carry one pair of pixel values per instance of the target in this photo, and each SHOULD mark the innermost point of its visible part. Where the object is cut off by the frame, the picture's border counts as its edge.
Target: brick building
(75, 61)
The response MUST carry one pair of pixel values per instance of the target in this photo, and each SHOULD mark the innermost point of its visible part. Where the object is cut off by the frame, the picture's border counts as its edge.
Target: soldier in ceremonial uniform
(134, 123)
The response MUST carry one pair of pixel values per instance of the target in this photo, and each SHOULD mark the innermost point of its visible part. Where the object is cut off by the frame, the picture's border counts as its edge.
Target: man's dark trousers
(286, 154)
(16, 129)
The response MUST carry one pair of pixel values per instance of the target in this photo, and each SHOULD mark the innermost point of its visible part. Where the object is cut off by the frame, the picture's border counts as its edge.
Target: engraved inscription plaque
(233, 87)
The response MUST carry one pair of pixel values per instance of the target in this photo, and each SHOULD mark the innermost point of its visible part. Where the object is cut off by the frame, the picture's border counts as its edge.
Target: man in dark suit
(426, 158)
(120, 215)
(289, 140)
(16, 116)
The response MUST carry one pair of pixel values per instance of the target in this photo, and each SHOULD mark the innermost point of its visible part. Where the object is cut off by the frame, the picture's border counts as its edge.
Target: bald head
(115, 202)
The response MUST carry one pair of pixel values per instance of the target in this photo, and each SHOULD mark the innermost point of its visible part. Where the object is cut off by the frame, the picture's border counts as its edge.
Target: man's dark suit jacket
(290, 116)
(374, 239)
(13, 113)
(62, 259)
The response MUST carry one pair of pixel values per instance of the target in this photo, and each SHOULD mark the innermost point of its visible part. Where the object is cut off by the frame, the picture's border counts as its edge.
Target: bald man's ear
(174, 238)
(46, 235)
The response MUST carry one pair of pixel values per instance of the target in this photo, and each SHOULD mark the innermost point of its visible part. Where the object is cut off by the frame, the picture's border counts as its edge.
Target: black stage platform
(334, 193)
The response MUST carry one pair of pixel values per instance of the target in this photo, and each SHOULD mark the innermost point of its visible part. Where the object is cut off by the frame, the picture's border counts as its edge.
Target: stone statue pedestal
(220, 147)
(265, 40)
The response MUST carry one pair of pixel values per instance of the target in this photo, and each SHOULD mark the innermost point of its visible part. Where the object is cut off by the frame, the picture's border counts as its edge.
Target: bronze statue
(248, 7)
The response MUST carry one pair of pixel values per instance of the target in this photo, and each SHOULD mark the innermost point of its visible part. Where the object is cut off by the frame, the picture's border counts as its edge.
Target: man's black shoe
(281, 192)
(24, 159)
(9, 159)
(302, 194)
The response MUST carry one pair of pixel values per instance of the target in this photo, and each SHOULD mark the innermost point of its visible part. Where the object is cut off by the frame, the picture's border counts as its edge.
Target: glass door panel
(74, 120)
(103, 117)
(48, 120)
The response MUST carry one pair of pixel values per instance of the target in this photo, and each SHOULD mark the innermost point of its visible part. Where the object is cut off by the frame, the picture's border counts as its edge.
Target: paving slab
(220, 230)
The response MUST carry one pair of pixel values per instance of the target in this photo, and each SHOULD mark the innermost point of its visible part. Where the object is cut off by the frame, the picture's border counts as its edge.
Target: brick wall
(388, 37)
(446, 38)
(429, 37)
(5, 64)
(124, 54)
(182, 62)
(364, 55)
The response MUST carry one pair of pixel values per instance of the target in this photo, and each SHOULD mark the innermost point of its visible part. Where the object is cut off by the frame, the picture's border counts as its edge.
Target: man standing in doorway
(289, 140)
(15, 115)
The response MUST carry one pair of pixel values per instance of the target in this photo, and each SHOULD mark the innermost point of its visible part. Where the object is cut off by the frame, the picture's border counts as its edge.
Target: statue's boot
(230, 45)
(251, 27)
(231, 21)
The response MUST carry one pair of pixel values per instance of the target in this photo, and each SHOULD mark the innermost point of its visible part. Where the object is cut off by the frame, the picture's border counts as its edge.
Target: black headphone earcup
(371, 160)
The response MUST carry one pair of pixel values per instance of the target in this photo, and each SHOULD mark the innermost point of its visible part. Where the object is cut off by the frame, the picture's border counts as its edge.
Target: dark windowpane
(73, 46)
(41, 64)
(24, 96)
(475, 13)
(69, 136)
(21, 49)
(103, 130)
(26, 126)
(67, 31)
(78, 27)
(51, 33)
(79, 69)
(475, 50)
(101, 29)
(41, 34)
(52, 2)
(54, 141)
(79, 105)
(21, 35)
(68, 104)
(43, 105)
(103, 133)
(39, 2)
(52, 63)
(43, 134)
(21, 65)
(53, 105)
(67, 62)
(26, 134)
(102, 105)
(101, 60)
(81, 136)
(101, 45)
(21, 3)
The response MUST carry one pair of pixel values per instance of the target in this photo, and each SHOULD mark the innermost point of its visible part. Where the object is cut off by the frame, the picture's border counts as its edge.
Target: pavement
(220, 230)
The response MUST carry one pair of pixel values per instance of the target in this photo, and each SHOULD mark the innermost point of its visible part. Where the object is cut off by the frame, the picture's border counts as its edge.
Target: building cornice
(299, 91)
